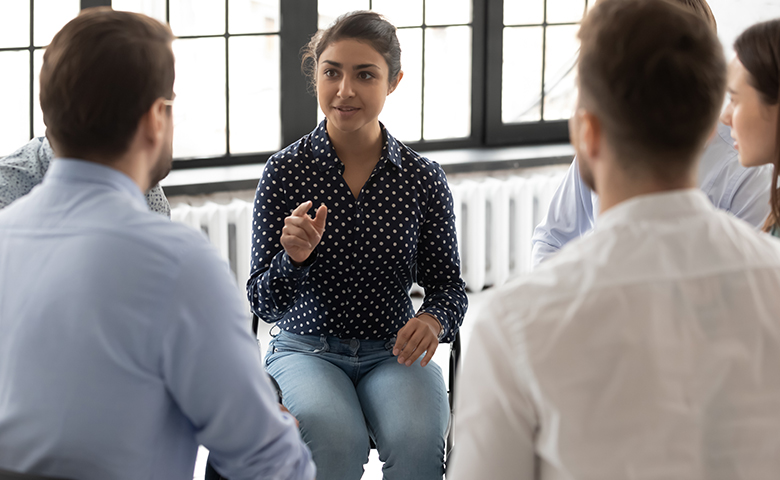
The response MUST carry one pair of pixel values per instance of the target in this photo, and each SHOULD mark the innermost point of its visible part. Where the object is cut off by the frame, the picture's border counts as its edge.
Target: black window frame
(496, 131)
(298, 106)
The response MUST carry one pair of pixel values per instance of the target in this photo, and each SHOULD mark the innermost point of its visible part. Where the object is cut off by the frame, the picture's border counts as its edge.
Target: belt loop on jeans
(325, 346)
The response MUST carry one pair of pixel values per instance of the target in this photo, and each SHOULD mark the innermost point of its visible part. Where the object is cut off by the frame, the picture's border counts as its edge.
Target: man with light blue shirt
(729, 186)
(123, 339)
(742, 191)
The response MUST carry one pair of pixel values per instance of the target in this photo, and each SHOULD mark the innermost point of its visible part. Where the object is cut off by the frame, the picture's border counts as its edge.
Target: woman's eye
(365, 76)
(330, 73)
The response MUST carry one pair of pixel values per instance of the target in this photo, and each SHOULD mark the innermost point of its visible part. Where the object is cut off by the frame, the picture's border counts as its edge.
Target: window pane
(15, 99)
(50, 16)
(402, 114)
(199, 112)
(444, 12)
(521, 83)
(329, 10)
(254, 16)
(197, 17)
(14, 24)
(734, 16)
(524, 12)
(402, 13)
(152, 8)
(255, 122)
(565, 11)
(447, 83)
(560, 72)
(39, 128)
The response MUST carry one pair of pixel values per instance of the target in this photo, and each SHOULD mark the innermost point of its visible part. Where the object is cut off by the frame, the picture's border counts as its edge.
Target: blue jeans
(343, 391)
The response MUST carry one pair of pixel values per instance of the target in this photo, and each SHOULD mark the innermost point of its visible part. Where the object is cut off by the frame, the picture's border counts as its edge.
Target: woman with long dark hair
(753, 112)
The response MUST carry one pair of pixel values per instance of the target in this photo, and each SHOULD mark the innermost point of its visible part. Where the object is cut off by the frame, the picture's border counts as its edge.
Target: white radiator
(495, 220)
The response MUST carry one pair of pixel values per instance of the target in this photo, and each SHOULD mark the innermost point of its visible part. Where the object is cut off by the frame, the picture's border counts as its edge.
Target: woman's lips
(346, 111)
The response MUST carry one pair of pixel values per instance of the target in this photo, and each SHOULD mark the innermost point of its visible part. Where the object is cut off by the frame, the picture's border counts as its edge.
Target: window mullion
(298, 107)
(95, 3)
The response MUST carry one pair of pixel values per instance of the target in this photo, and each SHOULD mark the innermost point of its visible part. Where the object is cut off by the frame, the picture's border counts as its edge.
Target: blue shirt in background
(124, 344)
(742, 191)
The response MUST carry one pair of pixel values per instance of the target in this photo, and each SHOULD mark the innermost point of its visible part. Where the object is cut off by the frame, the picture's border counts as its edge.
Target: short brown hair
(757, 50)
(655, 76)
(362, 25)
(101, 73)
(700, 8)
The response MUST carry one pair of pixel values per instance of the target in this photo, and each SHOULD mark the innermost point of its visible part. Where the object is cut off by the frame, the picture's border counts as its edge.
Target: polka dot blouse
(356, 283)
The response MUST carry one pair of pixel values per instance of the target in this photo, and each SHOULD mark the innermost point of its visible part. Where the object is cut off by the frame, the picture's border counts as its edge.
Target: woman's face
(753, 123)
(352, 85)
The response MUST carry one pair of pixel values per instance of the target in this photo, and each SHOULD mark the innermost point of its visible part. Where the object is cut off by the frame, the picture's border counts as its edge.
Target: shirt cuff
(306, 263)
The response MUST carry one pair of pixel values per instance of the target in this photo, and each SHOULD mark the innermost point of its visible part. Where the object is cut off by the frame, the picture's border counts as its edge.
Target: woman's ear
(394, 85)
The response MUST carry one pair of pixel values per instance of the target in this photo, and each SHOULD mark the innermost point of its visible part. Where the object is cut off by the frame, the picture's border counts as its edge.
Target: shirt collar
(72, 170)
(326, 158)
(656, 206)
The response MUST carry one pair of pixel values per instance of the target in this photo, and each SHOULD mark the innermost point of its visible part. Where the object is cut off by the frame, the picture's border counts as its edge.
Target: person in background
(123, 338)
(346, 218)
(729, 186)
(753, 110)
(25, 168)
(648, 348)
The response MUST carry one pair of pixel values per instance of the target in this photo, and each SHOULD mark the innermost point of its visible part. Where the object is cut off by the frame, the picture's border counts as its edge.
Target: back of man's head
(101, 73)
(700, 8)
(654, 74)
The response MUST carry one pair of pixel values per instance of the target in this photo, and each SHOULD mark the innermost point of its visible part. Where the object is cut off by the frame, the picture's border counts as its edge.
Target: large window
(531, 60)
(433, 101)
(227, 73)
(25, 28)
(477, 72)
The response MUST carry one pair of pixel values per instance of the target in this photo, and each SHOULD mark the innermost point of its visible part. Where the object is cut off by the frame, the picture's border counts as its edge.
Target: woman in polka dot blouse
(345, 220)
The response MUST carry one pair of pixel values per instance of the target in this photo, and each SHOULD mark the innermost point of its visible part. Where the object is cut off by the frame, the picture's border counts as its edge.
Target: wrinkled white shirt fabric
(649, 349)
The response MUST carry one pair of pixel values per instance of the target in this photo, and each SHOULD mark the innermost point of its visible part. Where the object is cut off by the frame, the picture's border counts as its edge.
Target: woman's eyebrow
(356, 67)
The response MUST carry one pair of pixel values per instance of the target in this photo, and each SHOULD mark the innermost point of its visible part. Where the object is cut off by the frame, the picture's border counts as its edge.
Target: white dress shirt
(649, 349)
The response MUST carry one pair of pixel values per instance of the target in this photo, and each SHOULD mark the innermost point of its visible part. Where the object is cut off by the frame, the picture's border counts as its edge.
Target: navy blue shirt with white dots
(356, 283)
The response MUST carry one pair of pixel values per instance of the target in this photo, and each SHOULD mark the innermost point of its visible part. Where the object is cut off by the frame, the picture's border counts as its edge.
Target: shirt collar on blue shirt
(74, 170)
(326, 157)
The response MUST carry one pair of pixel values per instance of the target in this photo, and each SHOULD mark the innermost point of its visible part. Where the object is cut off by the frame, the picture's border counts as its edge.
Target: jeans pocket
(289, 343)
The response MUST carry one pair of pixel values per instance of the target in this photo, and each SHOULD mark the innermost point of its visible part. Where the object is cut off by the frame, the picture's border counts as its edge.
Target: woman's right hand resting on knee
(301, 233)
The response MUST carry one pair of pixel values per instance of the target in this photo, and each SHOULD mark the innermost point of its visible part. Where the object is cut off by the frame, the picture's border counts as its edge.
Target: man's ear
(392, 87)
(590, 134)
(154, 121)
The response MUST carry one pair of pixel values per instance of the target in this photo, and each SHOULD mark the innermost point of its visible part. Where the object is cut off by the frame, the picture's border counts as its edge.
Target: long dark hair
(758, 48)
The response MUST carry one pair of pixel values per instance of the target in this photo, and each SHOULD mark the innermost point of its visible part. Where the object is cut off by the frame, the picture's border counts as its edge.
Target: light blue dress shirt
(742, 191)
(24, 169)
(124, 344)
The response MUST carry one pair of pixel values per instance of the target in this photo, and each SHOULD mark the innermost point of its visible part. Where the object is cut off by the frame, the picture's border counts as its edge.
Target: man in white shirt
(650, 348)
(729, 186)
